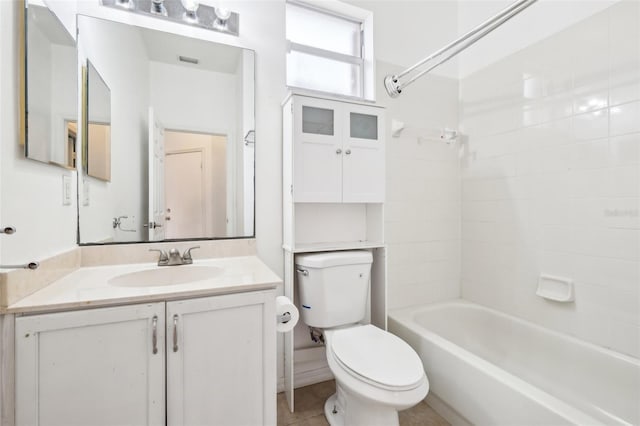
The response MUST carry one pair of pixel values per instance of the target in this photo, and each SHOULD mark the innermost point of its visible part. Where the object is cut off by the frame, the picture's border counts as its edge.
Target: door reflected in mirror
(180, 165)
(51, 90)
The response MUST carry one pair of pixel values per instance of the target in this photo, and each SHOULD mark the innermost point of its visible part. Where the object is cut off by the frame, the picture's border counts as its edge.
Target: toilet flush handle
(303, 272)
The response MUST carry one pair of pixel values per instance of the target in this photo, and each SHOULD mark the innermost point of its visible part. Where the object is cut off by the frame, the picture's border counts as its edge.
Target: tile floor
(310, 405)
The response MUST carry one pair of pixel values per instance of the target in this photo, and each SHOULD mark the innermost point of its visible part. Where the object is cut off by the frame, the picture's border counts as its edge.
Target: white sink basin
(165, 275)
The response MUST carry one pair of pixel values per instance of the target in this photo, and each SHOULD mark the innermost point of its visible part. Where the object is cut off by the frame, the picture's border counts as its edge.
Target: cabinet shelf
(349, 245)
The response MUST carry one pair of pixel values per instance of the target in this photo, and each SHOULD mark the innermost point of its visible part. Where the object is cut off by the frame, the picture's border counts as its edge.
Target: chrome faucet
(173, 258)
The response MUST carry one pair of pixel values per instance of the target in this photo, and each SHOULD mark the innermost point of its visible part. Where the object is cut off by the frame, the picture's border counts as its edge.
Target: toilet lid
(378, 356)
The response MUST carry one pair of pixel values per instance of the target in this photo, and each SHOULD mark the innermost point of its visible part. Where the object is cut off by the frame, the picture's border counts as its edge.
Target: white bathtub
(489, 368)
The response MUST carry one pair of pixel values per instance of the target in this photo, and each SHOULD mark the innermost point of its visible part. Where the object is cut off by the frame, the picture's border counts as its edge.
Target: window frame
(365, 61)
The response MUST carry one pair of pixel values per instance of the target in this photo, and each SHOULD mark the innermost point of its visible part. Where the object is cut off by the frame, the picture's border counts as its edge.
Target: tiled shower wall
(422, 208)
(551, 182)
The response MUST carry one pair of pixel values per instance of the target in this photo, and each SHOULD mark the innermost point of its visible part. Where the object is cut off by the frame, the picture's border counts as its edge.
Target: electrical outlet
(66, 190)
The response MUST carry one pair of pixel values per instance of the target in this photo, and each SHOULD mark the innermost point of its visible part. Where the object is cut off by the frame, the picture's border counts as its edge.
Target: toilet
(377, 374)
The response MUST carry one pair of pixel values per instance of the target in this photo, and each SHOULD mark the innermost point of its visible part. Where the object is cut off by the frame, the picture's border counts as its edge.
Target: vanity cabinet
(221, 361)
(106, 366)
(336, 150)
(94, 367)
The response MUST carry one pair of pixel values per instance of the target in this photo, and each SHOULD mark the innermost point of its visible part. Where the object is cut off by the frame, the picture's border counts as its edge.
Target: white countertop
(89, 286)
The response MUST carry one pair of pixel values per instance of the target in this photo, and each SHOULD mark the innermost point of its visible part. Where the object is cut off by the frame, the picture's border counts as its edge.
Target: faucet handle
(164, 258)
(186, 257)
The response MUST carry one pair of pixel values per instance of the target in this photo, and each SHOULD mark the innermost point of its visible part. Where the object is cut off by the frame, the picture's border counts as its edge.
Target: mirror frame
(22, 54)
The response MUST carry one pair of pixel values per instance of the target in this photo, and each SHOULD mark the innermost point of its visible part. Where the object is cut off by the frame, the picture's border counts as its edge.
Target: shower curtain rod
(392, 82)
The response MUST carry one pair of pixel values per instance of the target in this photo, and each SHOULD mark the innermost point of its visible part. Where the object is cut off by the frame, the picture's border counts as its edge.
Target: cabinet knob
(348, 151)
(338, 151)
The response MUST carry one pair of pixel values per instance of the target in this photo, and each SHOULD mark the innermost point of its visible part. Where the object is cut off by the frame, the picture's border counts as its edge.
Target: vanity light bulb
(190, 6)
(223, 14)
(126, 4)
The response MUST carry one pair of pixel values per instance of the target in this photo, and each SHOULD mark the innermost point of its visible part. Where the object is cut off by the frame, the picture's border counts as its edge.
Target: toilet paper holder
(284, 318)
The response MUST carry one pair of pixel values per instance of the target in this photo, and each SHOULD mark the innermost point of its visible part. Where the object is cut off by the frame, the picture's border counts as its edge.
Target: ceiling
(166, 47)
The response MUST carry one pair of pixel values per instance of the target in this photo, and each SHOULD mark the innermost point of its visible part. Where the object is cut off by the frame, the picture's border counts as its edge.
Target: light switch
(66, 190)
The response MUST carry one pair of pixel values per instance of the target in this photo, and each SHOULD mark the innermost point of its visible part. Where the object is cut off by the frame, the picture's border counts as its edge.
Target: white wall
(30, 192)
(407, 31)
(422, 210)
(551, 179)
(39, 75)
(64, 98)
(541, 20)
(125, 194)
(172, 87)
(248, 150)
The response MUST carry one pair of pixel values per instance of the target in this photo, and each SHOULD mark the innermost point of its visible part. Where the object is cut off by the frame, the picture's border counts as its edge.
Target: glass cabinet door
(363, 163)
(363, 126)
(317, 121)
(319, 126)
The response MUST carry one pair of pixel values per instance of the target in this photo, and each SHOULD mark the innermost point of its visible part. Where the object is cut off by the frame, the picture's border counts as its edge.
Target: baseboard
(446, 411)
(310, 368)
(311, 377)
(306, 378)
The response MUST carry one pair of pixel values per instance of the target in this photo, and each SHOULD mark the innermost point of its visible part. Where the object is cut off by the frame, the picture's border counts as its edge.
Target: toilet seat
(377, 357)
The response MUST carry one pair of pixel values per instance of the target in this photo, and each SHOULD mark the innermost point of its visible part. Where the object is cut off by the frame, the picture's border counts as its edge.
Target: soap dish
(555, 288)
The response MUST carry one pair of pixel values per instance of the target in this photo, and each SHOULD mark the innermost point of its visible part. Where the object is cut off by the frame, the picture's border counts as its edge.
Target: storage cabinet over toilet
(333, 199)
(337, 151)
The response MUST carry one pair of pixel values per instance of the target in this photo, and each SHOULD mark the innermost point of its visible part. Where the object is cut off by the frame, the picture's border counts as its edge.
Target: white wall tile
(422, 209)
(624, 149)
(625, 118)
(589, 155)
(624, 83)
(564, 197)
(591, 125)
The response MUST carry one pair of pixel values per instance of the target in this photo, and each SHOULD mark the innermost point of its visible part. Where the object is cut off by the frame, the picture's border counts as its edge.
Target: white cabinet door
(317, 158)
(221, 367)
(363, 166)
(92, 367)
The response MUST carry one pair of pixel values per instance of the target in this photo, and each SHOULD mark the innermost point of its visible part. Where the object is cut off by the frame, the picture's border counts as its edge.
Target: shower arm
(392, 82)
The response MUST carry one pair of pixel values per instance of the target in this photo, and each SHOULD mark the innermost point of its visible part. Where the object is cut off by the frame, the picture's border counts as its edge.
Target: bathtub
(489, 368)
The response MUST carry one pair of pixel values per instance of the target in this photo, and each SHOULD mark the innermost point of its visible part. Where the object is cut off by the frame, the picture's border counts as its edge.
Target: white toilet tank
(333, 287)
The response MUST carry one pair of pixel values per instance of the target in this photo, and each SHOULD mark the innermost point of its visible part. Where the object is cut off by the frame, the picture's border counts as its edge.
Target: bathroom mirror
(97, 151)
(181, 137)
(50, 93)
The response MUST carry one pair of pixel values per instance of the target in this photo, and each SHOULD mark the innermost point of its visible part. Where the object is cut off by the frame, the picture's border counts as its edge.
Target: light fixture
(188, 12)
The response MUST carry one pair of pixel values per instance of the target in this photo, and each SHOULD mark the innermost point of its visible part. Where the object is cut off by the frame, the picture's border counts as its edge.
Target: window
(330, 50)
